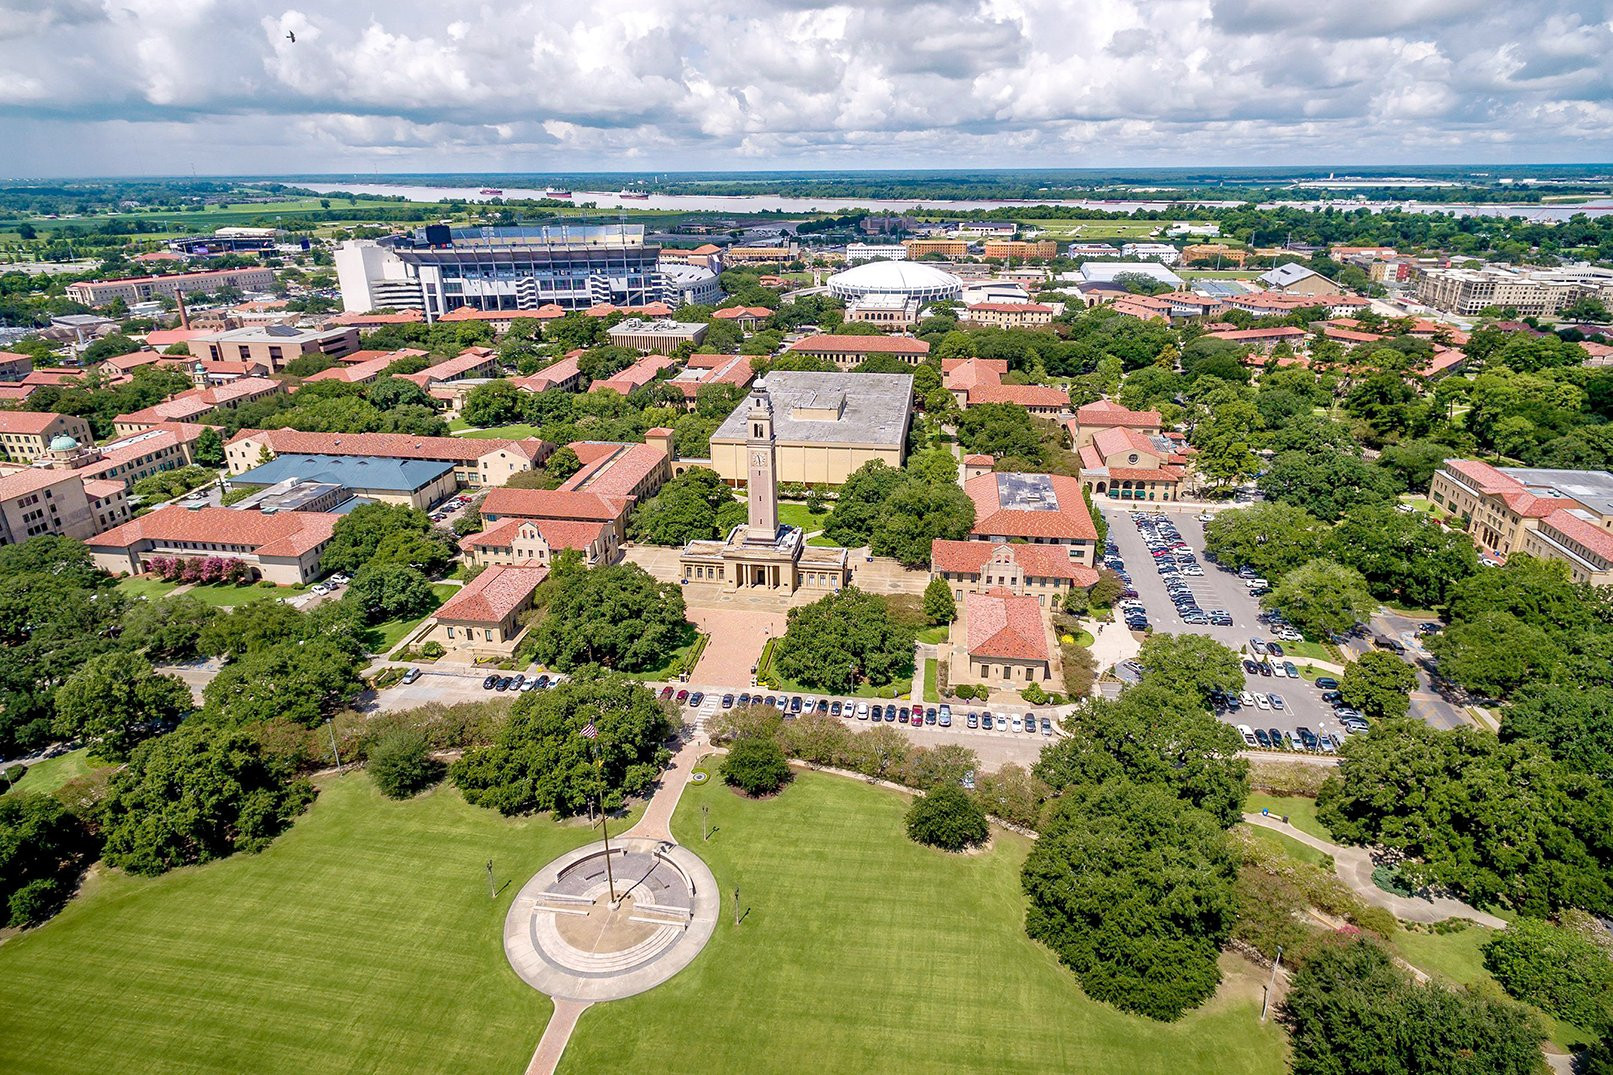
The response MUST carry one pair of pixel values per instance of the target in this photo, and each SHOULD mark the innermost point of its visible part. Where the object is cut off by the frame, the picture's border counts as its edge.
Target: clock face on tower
(758, 459)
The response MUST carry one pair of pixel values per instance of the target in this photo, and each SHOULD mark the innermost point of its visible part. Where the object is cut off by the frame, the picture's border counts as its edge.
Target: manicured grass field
(861, 951)
(52, 773)
(362, 940)
(387, 634)
(1299, 809)
(798, 515)
(145, 586)
(930, 692)
(933, 635)
(1316, 651)
(222, 596)
(1292, 847)
(515, 432)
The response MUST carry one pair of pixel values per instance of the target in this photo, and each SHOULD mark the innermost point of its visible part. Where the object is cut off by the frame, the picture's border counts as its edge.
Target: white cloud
(113, 85)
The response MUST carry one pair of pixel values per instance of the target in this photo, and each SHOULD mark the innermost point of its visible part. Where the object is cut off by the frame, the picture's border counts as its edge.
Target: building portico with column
(761, 554)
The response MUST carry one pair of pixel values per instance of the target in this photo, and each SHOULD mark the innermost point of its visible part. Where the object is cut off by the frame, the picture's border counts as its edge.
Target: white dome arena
(906, 278)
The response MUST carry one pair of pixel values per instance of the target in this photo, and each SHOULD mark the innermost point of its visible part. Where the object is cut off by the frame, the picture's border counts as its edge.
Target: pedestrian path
(1354, 867)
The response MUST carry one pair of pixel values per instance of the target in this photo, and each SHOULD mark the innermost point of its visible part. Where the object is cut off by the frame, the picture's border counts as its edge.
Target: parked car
(411, 675)
(1047, 726)
(503, 684)
(694, 699)
(1291, 669)
(879, 712)
(683, 696)
(1251, 667)
(666, 692)
(862, 710)
(517, 681)
(1248, 734)
(972, 720)
(1263, 738)
(1262, 702)
(1279, 739)
(489, 683)
(834, 708)
(1275, 650)
(1327, 683)
(728, 701)
(1277, 702)
(985, 721)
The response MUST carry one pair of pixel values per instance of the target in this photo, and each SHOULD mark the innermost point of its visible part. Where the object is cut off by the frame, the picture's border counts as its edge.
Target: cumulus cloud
(143, 85)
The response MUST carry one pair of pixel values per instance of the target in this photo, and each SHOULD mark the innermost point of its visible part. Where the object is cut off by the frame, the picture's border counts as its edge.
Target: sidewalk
(1354, 867)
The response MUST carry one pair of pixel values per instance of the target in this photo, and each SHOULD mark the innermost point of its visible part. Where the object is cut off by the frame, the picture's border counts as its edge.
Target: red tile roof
(22, 482)
(1010, 307)
(558, 372)
(975, 372)
(407, 317)
(1026, 395)
(1070, 522)
(556, 533)
(1283, 332)
(1108, 413)
(978, 460)
(1004, 626)
(552, 504)
(357, 373)
(734, 313)
(1037, 561)
(470, 359)
(387, 445)
(616, 472)
(635, 376)
(491, 596)
(35, 422)
(1586, 533)
(287, 533)
(199, 401)
(829, 343)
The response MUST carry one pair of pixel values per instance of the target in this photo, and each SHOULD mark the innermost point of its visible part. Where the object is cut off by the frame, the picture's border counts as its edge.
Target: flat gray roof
(1026, 492)
(876, 412)
(1593, 488)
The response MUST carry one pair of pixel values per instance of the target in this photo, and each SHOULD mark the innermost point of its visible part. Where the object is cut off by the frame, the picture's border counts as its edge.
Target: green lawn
(145, 586)
(387, 634)
(1082, 637)
(934, 635)
(515, 432)
(860, 950)
(930, 692)
(362, 940)
(1299, 809)
(798, 515)
(1292, 847)
(1316, 651)
(52, 773)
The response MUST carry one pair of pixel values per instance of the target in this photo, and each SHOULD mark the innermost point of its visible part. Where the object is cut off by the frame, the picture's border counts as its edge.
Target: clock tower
(762, 490)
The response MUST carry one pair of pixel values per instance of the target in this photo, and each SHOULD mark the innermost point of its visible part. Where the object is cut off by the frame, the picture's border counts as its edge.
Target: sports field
(363, 940)
(860, 951)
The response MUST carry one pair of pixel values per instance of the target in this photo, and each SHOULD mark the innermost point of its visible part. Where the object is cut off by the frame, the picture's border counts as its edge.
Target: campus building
(438, 269)
(1040, 571)
(477, 463)
(188, 406)
(1126, 464)
(906, 280)
(143, 288)
(1564, 515)
(412, 483)
(1021, 249)
(823, 425)
(40, 500)
(1039, 509)
(762, 553)
(656, 337)
(27, 435)
(275, 345)
(282, 547)
(484, 618)
(1007, 641)
(1537, 291)
(848, 352)
(1010, 314)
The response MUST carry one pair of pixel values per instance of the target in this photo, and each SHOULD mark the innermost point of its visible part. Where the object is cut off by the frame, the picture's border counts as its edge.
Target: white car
(862, 710)
(1246, 699)
(1017, 724)
(321, 589)
(1248, 734)
(1276, 669)
(1262, 702)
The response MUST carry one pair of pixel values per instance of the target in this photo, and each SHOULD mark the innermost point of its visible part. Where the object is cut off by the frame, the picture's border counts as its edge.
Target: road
(1302, 701)
(1428, 701)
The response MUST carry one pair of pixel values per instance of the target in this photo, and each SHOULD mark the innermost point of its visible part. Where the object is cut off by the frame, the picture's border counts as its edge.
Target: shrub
(1554, 969)
(401, 764)
(36, 901)
(756, 767)
(432, 651)
(947, 818)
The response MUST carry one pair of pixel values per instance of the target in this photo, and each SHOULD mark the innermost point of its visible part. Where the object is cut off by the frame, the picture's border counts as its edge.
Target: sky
(142, 87)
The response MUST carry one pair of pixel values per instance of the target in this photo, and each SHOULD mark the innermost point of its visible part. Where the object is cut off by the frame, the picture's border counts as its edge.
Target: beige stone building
(484, 618)
(283, 548)
(1007, 643)
(1524, 509)
(37, 501)
(140, 288)
(27, 435)
(825, 425)
(1041, 571)
(1010, 314)
(1021, 249)
(762, 554)
(950, 248)
(849, 351)
(275, 345)
(1573, 536)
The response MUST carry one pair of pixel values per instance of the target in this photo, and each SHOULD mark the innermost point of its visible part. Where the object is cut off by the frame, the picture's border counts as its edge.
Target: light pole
(604, 826)
(1265, 1001)
(332, 729)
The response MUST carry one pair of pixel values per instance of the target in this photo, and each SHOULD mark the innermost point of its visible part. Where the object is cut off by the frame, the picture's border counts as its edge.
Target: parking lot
(1216, 588)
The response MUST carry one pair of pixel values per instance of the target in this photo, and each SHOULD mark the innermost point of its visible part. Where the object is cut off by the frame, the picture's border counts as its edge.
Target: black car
(503, 684)
(694, 699)
(1327, 683)
(1251, 667)
(543, 684)
(489, 683)
(1263, 737)
(795, 704)
(728, 701)
(1265, 669)
(878, 713)
(1307, 738)
(1276, 650)
(834, 708)
(1277, 740)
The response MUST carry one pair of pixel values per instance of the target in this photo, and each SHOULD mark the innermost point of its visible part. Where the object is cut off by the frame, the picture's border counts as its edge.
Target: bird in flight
(291, 35)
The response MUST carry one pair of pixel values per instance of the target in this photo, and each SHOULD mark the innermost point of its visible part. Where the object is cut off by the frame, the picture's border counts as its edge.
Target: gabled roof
(824, 343)
(734, 313)
(491, 596)
(1005, 626)
(289, 533)
(556, 533)
(1026, 395)
(552, 504)
(1108, 413)
(1572, 526)
(615, 469)
(1037, 561)
(1030, 506)
(35, 422)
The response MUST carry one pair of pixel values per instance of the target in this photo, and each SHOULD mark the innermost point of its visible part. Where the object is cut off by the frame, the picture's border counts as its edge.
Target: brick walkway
(737, 638)
(555, 1036)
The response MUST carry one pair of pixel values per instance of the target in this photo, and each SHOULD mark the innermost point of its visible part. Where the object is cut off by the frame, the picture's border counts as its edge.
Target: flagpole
(604, 826)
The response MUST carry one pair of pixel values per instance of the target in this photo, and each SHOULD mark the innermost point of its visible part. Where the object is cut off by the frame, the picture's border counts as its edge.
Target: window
(450, 632)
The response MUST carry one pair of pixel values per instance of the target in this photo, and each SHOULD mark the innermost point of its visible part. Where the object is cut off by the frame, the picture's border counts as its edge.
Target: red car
(666, 692)
(683, 696)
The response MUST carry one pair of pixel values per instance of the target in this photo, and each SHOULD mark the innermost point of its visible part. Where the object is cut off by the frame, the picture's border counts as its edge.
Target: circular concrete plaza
(566, 937)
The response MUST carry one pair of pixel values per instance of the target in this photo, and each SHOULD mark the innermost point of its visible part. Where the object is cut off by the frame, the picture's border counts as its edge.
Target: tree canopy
(540, 759)
(1273, 538)
(615, 615)
(1379, 685)
(1322, 598)
(843, 639)
(694, 506)
(116, 700)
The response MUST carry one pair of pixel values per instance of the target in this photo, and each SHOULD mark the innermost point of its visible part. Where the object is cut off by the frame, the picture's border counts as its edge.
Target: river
(761, 203)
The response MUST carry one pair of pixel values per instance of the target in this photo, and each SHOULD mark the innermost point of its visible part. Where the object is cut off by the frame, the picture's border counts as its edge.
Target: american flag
(589, 731)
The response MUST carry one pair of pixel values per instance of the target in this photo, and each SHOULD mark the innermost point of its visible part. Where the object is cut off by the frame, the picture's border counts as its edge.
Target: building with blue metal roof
(416, 483)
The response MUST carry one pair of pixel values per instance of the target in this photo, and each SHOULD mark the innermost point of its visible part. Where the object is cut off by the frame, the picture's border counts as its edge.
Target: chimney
(179, 299)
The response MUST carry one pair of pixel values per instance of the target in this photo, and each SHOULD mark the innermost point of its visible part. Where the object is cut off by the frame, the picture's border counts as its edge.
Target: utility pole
(736, 905)
(1265, 1001)
(705, 829)
(492, 888)
(332, 729)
